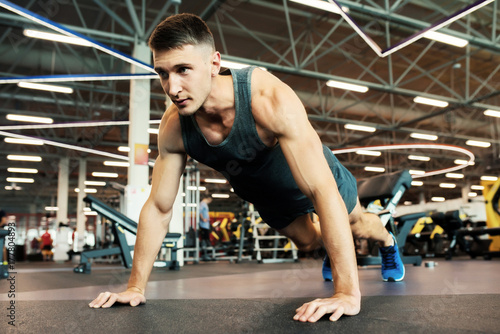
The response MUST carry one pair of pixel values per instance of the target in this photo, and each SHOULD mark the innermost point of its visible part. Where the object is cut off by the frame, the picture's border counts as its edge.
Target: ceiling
(301, 45)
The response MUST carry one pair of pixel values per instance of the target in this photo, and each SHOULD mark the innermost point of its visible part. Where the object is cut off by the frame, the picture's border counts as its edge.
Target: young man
(252, 128)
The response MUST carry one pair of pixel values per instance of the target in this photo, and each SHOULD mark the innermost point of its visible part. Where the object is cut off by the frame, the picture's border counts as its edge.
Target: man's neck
(220, 99)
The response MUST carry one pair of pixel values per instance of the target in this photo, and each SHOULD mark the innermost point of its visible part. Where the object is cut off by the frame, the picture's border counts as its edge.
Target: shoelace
(389, 260)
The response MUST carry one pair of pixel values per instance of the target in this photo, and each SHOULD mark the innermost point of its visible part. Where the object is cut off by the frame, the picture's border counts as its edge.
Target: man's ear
(216, 59)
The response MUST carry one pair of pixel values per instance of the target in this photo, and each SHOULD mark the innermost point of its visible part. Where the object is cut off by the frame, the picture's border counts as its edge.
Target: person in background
(47, 246)
(205, 226)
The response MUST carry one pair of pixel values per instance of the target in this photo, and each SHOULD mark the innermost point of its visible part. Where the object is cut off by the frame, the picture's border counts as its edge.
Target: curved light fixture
(423, 146)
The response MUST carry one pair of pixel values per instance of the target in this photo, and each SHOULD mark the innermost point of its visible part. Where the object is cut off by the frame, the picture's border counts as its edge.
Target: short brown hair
(178, 30)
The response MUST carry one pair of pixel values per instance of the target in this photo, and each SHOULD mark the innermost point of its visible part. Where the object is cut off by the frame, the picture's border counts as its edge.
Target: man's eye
(163, 75)
(183, 70)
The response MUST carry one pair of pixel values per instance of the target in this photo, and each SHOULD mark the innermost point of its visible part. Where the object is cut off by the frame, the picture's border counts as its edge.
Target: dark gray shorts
(347, 186)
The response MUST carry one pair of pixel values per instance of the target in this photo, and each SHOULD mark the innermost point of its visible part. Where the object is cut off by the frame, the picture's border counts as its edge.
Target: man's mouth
(180, 102)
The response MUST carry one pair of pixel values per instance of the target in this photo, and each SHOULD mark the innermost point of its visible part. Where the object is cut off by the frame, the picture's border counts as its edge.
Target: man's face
(186, 75)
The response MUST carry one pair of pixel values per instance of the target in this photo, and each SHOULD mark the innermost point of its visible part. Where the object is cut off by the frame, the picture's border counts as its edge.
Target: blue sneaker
(327, 269)
(393, 269)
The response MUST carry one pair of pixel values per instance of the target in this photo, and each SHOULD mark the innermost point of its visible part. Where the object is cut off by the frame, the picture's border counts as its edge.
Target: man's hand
(338, 305)
(106, 299)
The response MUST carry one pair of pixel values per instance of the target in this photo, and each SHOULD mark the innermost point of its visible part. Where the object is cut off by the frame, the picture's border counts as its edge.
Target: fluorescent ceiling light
(55, 37)
(123, 148)
(407, 203)
(12, 188)
(117, 163)
(95, 183)
(476, 187)
(220, 195)
(430, 102)
(493, 113)
(472, 194)
(360, 127)
(20, 180)
(416, 172)
(463, 162)
(366, 152)
(23, 141)
(418, 157)
(86, 190)
(90, 213)
(489, 178)
(232, 64)
(438, 199)
(78, 77)
(417, 183)
(346, 86)
(444, 38)
(51, 208)
(45, 87)
(375, 169)
(478, 143)
(215, 180)
(101, 174)
(24, 158)
(321, 5)
(202, 188)
(454, 175)
(22, 170)
(423, 136)
(447, 185)
(33, 119)
(154, 131)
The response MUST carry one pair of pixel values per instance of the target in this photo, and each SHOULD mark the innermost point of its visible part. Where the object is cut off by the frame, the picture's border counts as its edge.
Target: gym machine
(388, 190)
(120, 223)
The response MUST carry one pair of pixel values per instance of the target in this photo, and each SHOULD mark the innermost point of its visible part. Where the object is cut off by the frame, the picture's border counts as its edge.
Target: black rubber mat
(380, 314)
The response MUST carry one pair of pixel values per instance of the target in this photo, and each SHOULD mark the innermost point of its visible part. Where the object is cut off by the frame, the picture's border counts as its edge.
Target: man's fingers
(100, 300)
(111, 300)
(337, 314)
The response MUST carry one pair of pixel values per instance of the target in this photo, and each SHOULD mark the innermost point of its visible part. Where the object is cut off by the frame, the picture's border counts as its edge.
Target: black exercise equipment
(120, 222)
(456, 232)
(388, 189)
(4, 272)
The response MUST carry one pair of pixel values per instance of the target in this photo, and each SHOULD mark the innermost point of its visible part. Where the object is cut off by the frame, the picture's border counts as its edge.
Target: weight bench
(120, 222)
(388, 189)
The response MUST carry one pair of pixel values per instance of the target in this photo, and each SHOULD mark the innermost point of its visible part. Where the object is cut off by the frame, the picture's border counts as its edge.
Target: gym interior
(404, 93)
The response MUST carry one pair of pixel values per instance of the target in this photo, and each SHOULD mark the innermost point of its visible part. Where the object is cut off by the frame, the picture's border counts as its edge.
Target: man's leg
(366, 225)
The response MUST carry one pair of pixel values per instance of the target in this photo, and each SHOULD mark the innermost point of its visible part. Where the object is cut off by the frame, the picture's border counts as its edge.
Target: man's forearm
(151, 231)
(338, 241)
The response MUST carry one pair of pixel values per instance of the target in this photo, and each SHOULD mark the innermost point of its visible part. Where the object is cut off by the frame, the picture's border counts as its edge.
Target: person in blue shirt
(205, 225)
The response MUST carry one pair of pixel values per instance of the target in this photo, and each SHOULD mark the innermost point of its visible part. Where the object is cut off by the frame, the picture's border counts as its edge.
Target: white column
(80, 217)
(465, 191)
(138, 172)
(62, 191)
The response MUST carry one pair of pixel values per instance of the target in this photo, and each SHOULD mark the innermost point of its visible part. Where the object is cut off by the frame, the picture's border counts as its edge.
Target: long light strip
(32, 119)
(423, 146)
(71, 125)
(360, 127)
(440, 24)
(430, 102)
(44, 87)
(23, 141)
(492, 113)
(22, 170)
(371, 153)
(95, 183)
(78, 77)
(222, 181)
(319, 4)
(448, 185)
(220, 195)
(104, 174)
(489, 178)
(423, 136)
(375, 169)
(347, 86)
(478, 143)
(455, 175)
(447, 39)
(438, 199)
(68, 32)
(116, 163)
(24, 158)
(463, 162)
(20, 180)
(55, 37)
(419, 158)
(71, 147)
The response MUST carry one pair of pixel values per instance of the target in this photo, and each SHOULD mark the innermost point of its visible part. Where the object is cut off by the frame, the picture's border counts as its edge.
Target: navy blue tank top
(257, 173)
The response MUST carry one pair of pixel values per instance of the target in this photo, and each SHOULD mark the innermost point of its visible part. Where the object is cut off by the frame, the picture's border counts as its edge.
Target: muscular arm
(283, 113)
(155, 215)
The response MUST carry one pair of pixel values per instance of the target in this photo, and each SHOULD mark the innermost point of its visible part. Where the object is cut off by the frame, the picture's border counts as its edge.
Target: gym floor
(457, 296)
